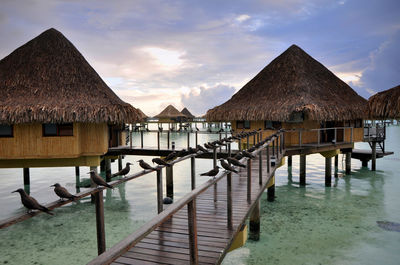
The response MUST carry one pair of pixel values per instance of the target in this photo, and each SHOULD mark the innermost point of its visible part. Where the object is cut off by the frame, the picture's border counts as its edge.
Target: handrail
(121, 247)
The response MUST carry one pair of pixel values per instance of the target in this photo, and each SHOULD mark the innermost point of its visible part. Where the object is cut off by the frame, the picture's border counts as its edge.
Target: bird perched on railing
(123, 172)
(212, 173)
(219, 142)
(227, 167)
(247, 154)
(251, 149)
(160, 129)
(202, 149)
(192, 150)
(235, 162)
(170, 156)
(62, 192)
(182, 153)
(99, 181)
(212, 144)
(206, 145)
(160, 162)
(239, 156)
(145, 166)
(31, 203)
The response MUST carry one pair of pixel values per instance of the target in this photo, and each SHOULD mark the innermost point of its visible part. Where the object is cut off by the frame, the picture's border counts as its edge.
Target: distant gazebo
(385, 104)
(55, 110)
(187, 113)
(171, 114)
(296, 92)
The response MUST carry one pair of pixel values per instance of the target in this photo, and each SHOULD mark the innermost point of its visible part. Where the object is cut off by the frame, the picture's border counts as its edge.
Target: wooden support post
(248, 180)
(271, 191)
(260, 168)
(281, 143)
(193, 171)
(197, 139)
(170, 181)
(214, 157)
(192, 224)
(188, 140)
(101, 235)
(273, 147)
(258, 137)
(119, 162)
(268, 162)
(328, 171)
(141, 139)
(77, 177)
(168, 138)
(248, 142)
(373, 161)
(254, 140)
(220, 138)
(103, 165)
(159, 191)
(277, 148)
(229, 149)
(130, 136)
(27, 180)
(302, 170)
(229, 199)
(240, 144)
(158, 140)
(289, 161)
(336, 165)
(348, 163)
(255, 222)
(108, 169)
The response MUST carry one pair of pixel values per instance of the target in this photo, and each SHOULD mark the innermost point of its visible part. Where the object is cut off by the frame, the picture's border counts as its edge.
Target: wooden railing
(189, 200)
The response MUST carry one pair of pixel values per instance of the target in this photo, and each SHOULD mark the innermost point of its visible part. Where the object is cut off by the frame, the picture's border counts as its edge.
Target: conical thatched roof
(170, 112)
(187, 113)
(47, 80)
(293, 83)
(385, 104)
(143, 116)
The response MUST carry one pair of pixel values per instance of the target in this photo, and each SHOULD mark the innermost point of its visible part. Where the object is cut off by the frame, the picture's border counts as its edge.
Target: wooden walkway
(170, 241)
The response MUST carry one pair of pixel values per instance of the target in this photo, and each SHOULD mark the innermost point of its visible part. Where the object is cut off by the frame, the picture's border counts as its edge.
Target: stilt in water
(170, 181)
(255, 222)
(302, 170)
(108, 169)
(27, 181)
(328, 171)
(119, 163)
(373, 161)
(336, 165)
(77, 180)
(271, 190)
(348, 163)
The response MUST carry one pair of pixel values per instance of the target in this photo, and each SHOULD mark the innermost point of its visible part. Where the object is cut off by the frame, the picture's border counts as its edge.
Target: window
(268, 125)
(242, 124)
(359, 124)
(6, 130)
(53, 129)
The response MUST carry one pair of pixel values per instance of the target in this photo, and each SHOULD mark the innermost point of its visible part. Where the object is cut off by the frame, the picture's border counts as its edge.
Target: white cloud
(243, 18)
(168, 59)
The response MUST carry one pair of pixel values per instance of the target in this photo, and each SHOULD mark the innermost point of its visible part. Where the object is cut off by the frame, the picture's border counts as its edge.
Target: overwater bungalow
(187, 113)
(296, 92)
(385, 104)
(170, 114)
(55, 110)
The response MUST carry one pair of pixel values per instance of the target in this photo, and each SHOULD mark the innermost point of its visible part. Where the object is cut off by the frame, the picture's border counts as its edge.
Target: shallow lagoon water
(312, 225)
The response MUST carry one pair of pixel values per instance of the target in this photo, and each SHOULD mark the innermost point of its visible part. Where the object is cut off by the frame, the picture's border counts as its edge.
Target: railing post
(248, 180)
(268, 163)
(254, 139)
(193, 171)
(141, 139)
(130, 136)
(192, 224)
(240, 144)
(277, 146)
(248, 142)
(273, 147)
(220, 138)
(229, 149)
(107, 162)
(168, 138)
(197, 142)
(188, 140)
(260, 168)
(214, 157)
(119, 162)
(229, 199)
(159, 191)
(300, 138)
(158, 140)
(319, 136)
(101, 236)
(170, 181)
(335, 135)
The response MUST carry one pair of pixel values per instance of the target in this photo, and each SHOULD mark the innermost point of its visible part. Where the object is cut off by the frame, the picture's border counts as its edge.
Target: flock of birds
(32, 204)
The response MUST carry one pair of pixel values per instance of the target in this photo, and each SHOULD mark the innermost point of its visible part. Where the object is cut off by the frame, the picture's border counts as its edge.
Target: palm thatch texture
(187, 113)
(170, 112)
(47, 80)
(385, 104)
(292, 85)
(143, 116)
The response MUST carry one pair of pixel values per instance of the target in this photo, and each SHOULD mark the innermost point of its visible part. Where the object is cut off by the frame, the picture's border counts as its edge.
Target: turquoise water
(337, 225)
(312, 225)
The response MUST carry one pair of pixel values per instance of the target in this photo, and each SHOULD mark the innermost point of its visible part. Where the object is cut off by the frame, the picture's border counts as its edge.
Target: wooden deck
(169, 241)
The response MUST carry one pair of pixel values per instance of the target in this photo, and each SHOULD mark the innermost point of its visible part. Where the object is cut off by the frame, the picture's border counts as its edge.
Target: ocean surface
(356, 221)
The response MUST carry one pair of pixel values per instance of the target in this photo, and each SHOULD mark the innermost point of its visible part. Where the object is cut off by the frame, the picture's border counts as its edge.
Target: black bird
(99, 181)
(197, 129)
(200, 148)
(220, 142)
(251, 149)
(160, 129)
(239, 156)
(123, 171)
(182, 153)
(192, 150)
(213, 145)
(170, 156)
(227, 167)
(247, 154)
(206, 145)
(31, 203)
(63, 192)
(235, 162)
(212, 173)
(160, 162)
(144, 165)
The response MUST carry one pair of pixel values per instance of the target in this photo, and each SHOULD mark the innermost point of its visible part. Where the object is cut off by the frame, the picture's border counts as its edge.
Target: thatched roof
(170, 112)
(294, 84)
(187, 113)
(47, 80)
(385, 104)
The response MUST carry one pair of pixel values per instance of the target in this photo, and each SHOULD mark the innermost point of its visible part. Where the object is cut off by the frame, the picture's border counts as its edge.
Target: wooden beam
(101, 235)
(159, 191)
(192, 225)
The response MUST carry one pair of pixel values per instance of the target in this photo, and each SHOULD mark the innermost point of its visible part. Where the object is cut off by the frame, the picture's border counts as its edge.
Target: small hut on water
(385, 104)
(55, 110)
(187, 113)
(170, 114)
(296, 92)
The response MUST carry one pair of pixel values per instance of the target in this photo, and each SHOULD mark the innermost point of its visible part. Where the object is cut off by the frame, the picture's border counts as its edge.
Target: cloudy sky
(199, 53)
